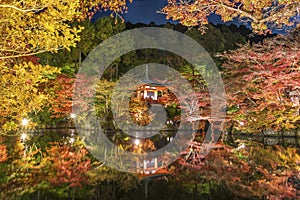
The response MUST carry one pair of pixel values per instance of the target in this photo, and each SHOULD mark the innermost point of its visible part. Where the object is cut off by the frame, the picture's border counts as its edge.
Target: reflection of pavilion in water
(151, 92)
(147, 166)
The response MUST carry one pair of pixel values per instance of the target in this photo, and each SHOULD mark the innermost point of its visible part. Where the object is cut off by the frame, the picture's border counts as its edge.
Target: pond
(270, 140)
(166, 136)
(258, 173)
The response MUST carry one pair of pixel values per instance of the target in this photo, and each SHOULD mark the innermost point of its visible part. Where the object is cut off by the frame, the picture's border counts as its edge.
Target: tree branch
(29, 54)
(20, 9)
(269, 18)
(241, 12)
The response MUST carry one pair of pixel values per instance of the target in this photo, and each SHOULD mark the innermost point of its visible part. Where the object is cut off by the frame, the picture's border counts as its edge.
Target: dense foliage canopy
(29, 28)
(260, 80)
(262, 15)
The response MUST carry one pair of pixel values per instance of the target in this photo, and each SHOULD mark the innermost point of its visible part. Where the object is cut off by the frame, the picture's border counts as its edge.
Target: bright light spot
(73, 115)
(136, 141)
(23, 136)
(169, 139)
(170, 122)
(25, 122)
(241, 146)
(242, 123)
(72, 140)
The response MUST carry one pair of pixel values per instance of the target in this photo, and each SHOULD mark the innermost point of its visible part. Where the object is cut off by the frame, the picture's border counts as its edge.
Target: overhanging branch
(20, 9)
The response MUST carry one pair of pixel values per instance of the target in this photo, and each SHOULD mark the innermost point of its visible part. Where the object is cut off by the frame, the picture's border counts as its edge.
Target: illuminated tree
(263, 15)
(29, 28)
(33, 27)
(259, 80)
(62, 87)
(21, 92)
(62, 90)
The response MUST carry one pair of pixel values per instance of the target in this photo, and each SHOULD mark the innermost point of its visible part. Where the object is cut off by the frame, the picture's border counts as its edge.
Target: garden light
(23, 136)
(137, 142)
(242, 123)
(72, 140)
(169, 139)
(73, 115)
(242, 146)
(25, 122)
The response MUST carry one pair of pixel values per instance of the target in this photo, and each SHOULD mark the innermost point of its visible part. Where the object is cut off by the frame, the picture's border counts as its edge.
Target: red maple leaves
(66, 97)
(69, 165)
(259, 80)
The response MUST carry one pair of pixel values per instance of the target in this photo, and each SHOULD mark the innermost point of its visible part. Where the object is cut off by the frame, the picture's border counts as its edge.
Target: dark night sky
(145, 11)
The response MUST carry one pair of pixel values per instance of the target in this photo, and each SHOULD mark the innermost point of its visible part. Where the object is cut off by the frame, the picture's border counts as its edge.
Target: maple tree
(259, 80)
(62, 90)
(3, 151)
(21, 91)
(103, 92)
(263, 15)
(33, 27)
(29, 28)
(64, 99)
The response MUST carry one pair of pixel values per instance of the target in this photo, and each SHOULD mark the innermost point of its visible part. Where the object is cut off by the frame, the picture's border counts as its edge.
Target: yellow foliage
(34, 26)
(263, 15)
(31, 27)
(21, 91)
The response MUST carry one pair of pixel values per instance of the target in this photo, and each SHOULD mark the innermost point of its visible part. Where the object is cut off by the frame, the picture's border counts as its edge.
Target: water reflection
(166, 136)
(270, 140)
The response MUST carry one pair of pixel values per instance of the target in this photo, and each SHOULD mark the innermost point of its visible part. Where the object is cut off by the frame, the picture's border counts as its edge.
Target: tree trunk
(73, 195)
(230, 138)
(117, 71)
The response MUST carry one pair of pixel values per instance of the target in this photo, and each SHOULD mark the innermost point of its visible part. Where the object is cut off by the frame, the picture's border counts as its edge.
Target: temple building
(151, 91)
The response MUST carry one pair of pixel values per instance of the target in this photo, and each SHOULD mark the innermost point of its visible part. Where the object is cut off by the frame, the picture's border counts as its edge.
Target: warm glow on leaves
(259, 80)
(29, 28)
(3, 153)
(33, 27)
(254, 170)
(263, 15)
(62, 88)
(21, 92)
(68, 165)
(103, 94)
